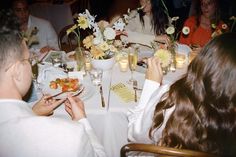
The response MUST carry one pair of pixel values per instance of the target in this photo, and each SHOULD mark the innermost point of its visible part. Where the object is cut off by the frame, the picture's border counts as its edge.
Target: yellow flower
(104, 46)
(82, 22)
(88, 41)
(96, 52)
(164, 56)
(113, 48)
(68, 31)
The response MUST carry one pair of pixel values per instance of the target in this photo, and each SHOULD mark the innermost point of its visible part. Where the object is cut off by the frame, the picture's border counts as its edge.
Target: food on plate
(65, 84)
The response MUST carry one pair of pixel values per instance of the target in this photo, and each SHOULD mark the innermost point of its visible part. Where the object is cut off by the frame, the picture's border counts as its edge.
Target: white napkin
(48, 73)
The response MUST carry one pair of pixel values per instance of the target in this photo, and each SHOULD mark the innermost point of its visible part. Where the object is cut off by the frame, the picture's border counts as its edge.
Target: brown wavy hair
(204, 117)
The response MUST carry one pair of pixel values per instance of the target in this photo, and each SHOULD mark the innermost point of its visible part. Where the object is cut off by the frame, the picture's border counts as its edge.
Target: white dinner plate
(50, 91)
(85, 91)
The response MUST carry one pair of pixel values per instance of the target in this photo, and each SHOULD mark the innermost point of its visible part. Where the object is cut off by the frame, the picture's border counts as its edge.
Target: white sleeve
(98, 148)
(140, 117)
(139, 38)
(52, 39)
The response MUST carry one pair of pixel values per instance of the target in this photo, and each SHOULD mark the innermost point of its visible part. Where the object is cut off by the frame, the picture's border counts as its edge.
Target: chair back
(66, 42)
(160, 151)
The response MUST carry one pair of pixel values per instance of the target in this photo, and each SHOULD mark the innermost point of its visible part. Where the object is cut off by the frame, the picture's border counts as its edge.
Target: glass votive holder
(96, 76)
(181, 60)
(123, 64)
(56, 60)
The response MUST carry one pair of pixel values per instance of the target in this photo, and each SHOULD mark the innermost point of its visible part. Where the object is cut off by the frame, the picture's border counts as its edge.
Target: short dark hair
(10, 38)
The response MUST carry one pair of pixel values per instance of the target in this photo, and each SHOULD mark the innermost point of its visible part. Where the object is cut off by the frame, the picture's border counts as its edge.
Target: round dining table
(110, 123)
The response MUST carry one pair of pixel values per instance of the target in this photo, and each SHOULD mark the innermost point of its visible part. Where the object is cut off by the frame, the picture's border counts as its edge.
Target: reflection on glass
(132, 59)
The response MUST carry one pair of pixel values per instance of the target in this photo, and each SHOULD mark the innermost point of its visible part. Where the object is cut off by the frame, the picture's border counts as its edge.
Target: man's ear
(17, 71)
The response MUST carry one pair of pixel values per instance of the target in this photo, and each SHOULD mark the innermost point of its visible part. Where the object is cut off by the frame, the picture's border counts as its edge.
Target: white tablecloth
(110, 123)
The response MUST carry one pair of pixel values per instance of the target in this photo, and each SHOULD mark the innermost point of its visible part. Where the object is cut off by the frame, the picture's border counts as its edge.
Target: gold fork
(135, 87)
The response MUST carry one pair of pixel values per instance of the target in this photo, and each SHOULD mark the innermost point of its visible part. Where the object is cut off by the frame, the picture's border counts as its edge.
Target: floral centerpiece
(104, 41)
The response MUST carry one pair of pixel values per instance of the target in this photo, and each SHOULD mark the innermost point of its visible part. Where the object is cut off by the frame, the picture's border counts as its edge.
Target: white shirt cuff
(86, 123)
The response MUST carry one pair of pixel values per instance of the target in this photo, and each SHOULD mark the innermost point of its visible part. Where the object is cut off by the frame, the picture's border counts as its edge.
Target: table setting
(107, 94)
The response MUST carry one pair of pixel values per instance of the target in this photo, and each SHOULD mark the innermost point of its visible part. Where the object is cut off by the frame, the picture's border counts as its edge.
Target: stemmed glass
(133, 59)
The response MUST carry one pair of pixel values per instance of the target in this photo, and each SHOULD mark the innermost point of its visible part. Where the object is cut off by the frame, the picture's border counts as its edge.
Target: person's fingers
(55, 103)
(69, 111)
(67, 104)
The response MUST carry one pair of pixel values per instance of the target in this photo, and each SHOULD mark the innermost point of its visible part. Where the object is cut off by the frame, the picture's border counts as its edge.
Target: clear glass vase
(79, 58)
(171, 48)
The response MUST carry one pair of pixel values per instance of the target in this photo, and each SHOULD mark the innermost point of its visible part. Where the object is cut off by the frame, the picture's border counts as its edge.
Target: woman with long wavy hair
(149, 23)
(198, 111)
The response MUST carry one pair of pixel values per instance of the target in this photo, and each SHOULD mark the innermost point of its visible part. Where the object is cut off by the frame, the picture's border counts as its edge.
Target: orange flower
(88, 41)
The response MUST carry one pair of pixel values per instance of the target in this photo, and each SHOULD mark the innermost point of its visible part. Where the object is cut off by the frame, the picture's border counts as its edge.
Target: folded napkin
(48, 73)
(126, 94)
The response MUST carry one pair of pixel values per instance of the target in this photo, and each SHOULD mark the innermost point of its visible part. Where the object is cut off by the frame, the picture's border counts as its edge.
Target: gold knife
(135, 86)
(102, 98)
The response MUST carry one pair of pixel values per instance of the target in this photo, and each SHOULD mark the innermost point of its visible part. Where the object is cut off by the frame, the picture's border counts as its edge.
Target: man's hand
(154, 71)
(75, 108)
(46, 107)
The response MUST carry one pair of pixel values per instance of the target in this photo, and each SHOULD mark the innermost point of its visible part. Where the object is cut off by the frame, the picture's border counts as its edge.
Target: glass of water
(96, 76)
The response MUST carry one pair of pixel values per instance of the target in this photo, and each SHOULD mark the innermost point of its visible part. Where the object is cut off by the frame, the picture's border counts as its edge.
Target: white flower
(186, 30)
(97, 41)
(109, 33)
(232, 18)
(170, 30)
(104, 46)
(224, 26)
(119, 25)
(175, 18)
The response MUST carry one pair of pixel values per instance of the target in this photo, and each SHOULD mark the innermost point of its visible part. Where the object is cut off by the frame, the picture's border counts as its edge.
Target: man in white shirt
(46, 34)
(29, 132)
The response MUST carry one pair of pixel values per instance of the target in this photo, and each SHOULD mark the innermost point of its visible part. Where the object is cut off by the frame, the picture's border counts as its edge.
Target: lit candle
(88, 66)
(123, 63)
(180, 60)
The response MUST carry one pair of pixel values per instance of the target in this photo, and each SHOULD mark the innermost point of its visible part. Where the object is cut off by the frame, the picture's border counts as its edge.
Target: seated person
(198, 111)
(147, 24)
(46, 35)
(26, 131)
(200, 25)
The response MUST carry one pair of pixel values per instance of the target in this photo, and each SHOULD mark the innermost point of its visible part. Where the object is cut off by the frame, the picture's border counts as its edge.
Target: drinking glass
(96, 76)
(132, 59)
(56, 60)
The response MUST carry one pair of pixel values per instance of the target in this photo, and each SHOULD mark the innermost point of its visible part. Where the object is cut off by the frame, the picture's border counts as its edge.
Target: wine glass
(132, 59)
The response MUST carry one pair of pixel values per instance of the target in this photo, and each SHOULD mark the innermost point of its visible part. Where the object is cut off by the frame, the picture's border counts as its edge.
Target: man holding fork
(26, 132)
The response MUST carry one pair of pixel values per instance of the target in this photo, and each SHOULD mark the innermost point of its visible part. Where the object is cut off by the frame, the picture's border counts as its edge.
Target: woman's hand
(154, 71)
(75, 108)
(164, 39)
(46, 107)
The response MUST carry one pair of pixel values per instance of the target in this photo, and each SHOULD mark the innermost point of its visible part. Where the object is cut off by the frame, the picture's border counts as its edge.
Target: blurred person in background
(148, 24)
(203, 24)
(45, 33)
